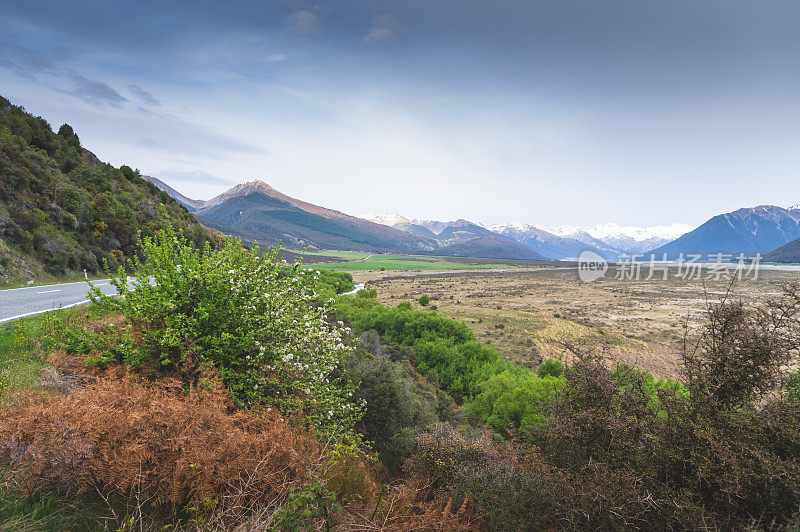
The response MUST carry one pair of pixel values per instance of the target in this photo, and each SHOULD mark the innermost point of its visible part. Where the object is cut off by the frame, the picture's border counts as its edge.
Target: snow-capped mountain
(751, 230)
(563, 241)
(401, 222)
(609, 238)
(624, 239)
(386, 218)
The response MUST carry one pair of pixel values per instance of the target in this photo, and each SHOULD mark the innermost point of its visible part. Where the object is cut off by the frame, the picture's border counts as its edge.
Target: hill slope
(750, 231)
(190, 204)
(490, 245)
(787, 253)
(62, 210)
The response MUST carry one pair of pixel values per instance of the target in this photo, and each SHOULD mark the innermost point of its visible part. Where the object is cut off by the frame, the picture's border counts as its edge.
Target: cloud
(384, 28)
(276, 58)
(175, 136)
(193, 176)
(143, 96)
(304, 22)
(34, 64)
(93, 91)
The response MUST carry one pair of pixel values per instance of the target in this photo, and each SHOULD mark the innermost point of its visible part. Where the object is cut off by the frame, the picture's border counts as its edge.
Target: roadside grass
(46, 512)
(24, 344)
(406, 262)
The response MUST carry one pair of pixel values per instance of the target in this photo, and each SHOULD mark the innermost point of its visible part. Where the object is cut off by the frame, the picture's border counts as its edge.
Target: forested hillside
(63, 211)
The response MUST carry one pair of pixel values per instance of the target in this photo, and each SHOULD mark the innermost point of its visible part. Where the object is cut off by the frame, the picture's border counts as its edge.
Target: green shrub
(251, 317)
(551, 367)
(513, 399)
(398, 404)
(441, 344)
(424, 299)
(793, 388)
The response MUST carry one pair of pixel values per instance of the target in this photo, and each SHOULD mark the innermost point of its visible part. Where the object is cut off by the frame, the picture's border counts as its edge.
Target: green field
(401, 262)
(351, 255)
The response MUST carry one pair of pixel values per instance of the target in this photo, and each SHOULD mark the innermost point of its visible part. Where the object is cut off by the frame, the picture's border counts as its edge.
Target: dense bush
(249, 316)
(513, 399)
(398, 404)
(444, 347)
(328, 283)
(156, 443)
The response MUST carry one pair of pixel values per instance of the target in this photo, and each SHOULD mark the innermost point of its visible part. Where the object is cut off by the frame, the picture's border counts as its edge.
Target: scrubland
(239, 392)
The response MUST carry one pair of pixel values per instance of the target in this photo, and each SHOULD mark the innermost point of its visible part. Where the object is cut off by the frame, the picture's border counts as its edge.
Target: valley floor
(530, 314)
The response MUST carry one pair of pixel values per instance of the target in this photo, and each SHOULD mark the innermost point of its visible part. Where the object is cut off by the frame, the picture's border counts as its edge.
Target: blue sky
(545, 112)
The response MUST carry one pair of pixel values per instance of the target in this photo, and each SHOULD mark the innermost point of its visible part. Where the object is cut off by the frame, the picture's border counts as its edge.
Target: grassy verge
(24, 344)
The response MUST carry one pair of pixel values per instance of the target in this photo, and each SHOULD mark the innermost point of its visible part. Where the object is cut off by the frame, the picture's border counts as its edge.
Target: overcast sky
(547, 112)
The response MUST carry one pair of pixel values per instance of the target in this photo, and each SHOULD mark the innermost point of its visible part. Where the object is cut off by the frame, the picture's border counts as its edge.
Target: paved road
(20, 302)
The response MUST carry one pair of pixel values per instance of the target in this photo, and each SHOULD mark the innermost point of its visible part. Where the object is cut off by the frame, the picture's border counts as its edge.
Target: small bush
(551, 367)
(424, 299)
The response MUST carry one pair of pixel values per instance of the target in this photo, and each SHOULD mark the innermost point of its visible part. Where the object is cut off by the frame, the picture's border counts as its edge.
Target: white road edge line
(43, 311)
(46, 285)
(49, 291)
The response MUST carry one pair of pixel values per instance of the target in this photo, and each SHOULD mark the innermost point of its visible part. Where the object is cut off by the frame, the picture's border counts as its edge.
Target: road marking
(48, 291)
(46, 285)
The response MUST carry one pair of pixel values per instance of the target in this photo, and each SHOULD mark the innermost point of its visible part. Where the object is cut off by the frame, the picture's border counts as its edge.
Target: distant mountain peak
(387, 218)
(750, 230)
(255, 186)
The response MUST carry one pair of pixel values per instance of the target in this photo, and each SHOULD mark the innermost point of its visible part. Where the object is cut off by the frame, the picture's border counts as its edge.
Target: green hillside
(63, 211)
(787, 253)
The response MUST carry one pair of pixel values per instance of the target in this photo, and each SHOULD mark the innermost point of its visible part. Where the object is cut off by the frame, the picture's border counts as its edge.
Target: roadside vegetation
(238, 390)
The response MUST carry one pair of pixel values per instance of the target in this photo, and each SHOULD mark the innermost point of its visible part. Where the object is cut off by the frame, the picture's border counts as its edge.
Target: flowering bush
(252, 317)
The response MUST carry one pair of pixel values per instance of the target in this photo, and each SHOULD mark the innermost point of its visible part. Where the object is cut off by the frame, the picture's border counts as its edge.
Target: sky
(579, 112)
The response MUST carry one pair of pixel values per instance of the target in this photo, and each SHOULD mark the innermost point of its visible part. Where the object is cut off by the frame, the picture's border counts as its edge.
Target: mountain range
(623, 239)
(62, 210)
(256, 211)
(558, 243)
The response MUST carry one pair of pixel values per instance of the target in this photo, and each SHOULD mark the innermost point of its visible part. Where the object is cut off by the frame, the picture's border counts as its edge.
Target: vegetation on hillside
(787, 253)
(235, 390)
(63, 211)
